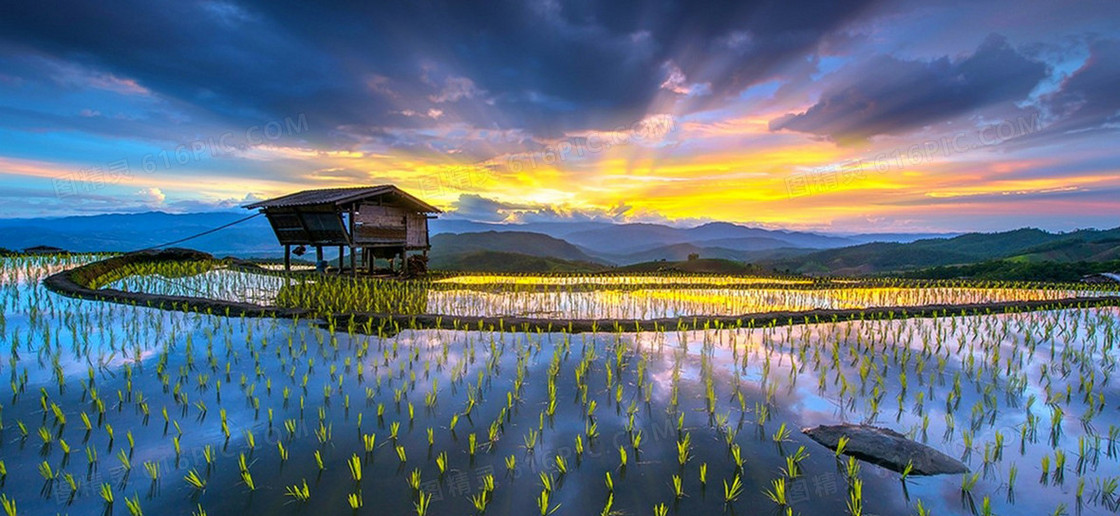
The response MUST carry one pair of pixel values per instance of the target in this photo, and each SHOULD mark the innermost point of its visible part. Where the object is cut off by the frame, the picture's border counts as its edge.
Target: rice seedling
(355, 464)
(9, 505)
(133, 505)
(300, 493)
(106, 492)
(423, 502)
(195, 481)
(152, 468)
(776, 493)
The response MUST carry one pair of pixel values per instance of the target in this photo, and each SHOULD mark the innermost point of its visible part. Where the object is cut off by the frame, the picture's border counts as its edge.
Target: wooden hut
(377, 221)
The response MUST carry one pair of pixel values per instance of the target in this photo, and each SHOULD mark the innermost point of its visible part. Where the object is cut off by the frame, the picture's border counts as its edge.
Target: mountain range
(570, 246)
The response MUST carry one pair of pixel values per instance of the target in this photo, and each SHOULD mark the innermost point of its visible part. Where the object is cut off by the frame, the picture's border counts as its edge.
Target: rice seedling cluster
(130, 409)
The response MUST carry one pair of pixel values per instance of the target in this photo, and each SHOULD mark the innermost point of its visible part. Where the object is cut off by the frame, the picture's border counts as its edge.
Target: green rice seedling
(561, 465)
(841, 445)
(282, 450)
(195, 481)
(106, 493)
(472, 443)
(546, 481)
(401, 454)
(479, 501)
(133, 505)
(441, 462)
(247, 479)
(354, 500)
(678, 486)
(511, 463)
(622, 456)
(777, 492)
(45, 470)
(683, 449)
(543, 504)
(355, 468)
(414, 480)
(368, 441)
(152, 468)
(703, 473)
(1059, 465)
(855, 498)
(125, 462)
(300, 493)
(737, 456)
(423, 501)
(319, 460)
(530, 439)
(607, 508)
(8, 504)
(968, 482)
(852, 469)
(731, 492)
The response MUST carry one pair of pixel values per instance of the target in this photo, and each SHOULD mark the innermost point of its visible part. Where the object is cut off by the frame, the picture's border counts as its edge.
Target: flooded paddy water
(274, 416)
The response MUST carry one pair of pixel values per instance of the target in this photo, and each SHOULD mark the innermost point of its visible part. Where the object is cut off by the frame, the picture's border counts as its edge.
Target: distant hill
(450, 246)
(1022, 244)
(496, 261)
(599, 239)
(702, 265)
(588, 245)
(624, 239)
(128, 232)
(1017, 270)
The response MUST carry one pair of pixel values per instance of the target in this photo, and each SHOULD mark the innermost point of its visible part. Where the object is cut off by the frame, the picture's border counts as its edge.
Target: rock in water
(886, 448)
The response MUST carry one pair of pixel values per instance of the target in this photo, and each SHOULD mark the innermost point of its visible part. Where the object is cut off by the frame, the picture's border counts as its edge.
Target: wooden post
(341, 250)
(353, 259)
(287, 257)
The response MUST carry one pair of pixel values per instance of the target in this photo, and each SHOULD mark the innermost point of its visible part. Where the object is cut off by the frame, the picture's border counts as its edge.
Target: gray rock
(886, 448)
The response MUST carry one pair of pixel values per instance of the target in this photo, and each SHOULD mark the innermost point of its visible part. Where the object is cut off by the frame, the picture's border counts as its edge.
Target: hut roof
(340, 196)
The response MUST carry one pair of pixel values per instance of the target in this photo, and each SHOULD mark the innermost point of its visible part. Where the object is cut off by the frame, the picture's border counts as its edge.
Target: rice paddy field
(120, 409)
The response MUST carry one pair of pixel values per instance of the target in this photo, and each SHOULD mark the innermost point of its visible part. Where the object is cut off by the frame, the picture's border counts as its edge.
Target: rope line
(204, 233)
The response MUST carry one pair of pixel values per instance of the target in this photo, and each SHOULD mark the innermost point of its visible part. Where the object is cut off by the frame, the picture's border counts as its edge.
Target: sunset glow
(854, 118)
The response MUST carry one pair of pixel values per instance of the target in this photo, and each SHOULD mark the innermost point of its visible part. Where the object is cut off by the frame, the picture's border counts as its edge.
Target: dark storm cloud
(545, 66)
(891, 96)
(1087, 99)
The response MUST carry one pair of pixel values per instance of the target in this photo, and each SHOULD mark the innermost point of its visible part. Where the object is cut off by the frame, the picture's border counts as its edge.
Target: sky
(825, 115)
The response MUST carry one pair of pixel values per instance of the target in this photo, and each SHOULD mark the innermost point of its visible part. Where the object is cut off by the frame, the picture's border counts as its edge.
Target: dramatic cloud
(803, 113)
(1088, 99)
(891, 96)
